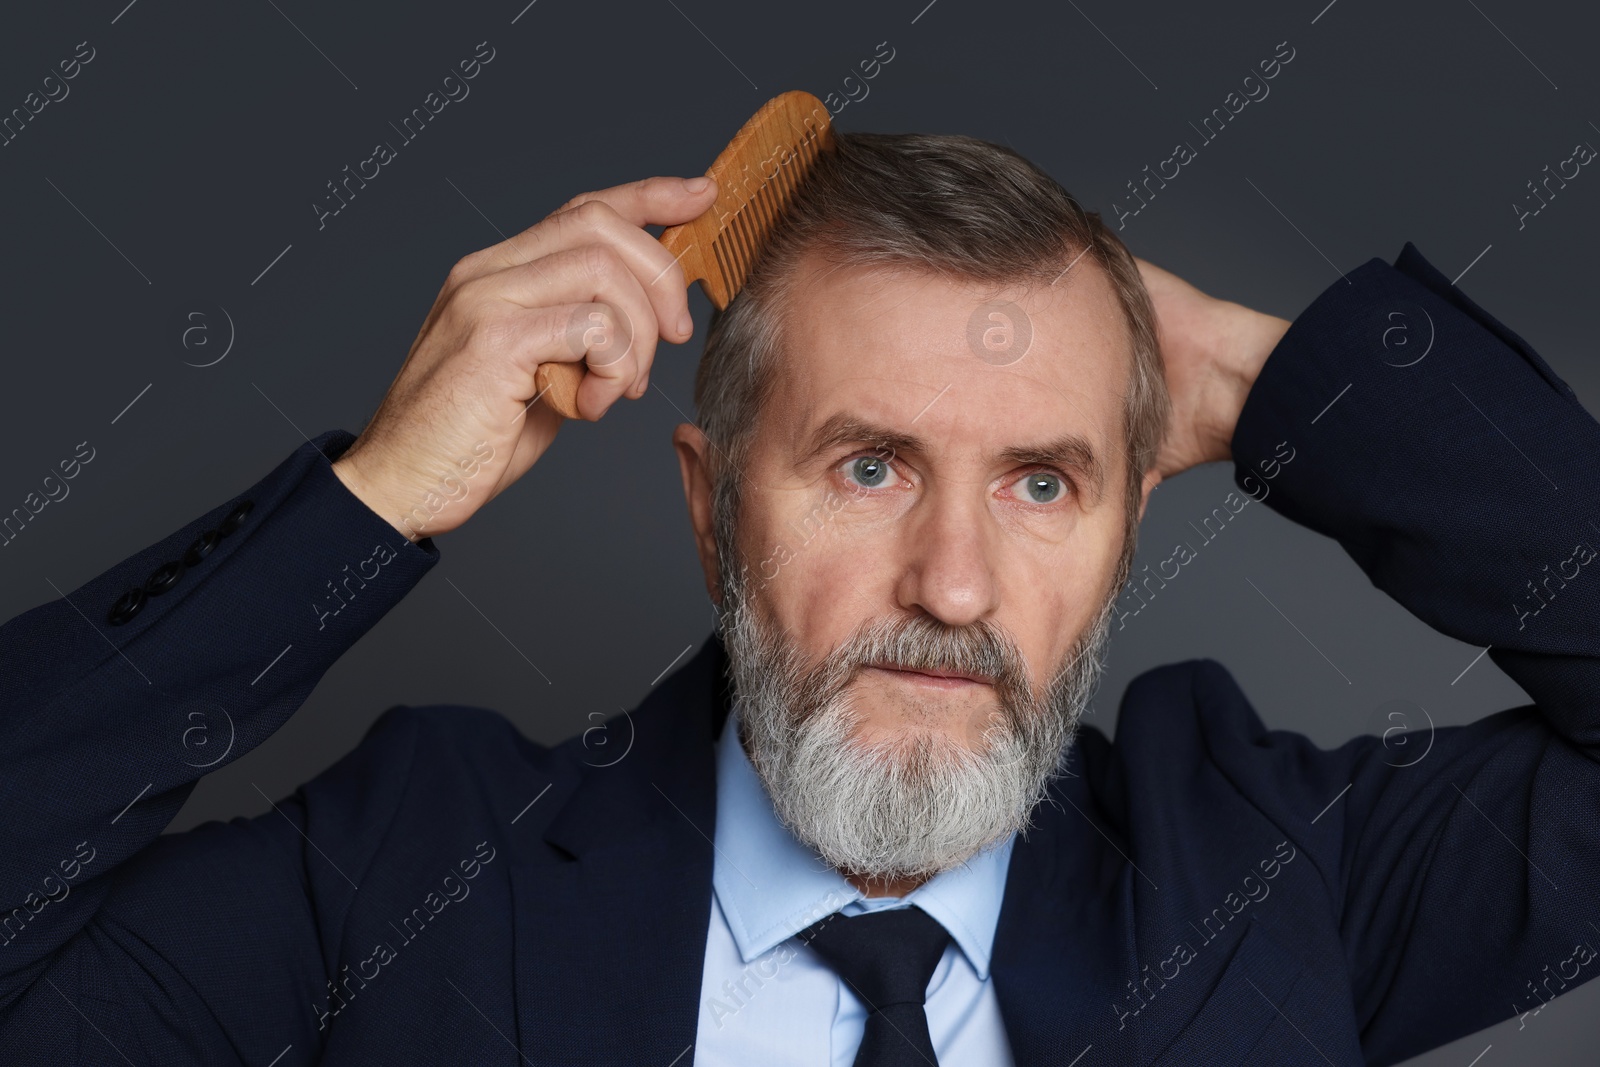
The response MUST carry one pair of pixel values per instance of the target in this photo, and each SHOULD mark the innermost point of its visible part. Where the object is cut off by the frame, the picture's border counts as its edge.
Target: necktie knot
(887, 958)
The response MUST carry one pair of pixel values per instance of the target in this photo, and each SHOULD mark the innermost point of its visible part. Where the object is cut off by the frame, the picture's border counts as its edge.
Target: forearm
(1245, 341)
(106, 727)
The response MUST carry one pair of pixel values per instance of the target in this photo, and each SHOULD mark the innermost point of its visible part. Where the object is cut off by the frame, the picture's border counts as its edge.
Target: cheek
(1045, 607)
(1051, 592)
(822, 564)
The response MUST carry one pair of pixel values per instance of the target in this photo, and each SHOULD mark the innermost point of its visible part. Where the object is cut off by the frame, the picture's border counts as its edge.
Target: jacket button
(126, 607)
(235, 518)
(201, 548)
(163, 577)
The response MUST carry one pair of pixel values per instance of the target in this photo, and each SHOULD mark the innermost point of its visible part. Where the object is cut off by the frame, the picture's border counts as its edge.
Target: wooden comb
(757, 177)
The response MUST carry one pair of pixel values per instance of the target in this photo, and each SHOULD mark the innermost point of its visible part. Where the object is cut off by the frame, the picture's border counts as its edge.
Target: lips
(935, 673)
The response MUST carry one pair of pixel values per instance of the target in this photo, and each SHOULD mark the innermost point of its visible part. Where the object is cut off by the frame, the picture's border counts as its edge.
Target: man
(863, 824)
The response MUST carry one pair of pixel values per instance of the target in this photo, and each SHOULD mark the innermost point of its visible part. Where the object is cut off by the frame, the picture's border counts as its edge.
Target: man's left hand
(1212, 350)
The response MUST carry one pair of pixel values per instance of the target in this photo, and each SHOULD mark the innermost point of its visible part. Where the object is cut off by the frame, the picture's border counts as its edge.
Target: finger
(661, 200)
(598, 331)
(588, 274)
(659, 273)
(615, 216)
(518, 341)
(601, 336)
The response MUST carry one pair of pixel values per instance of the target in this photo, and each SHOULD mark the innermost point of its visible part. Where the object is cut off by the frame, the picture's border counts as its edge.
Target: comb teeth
(718, 248)
(744, 232)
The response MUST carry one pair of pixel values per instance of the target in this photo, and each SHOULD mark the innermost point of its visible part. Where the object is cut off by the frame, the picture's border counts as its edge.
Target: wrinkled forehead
(962, 363)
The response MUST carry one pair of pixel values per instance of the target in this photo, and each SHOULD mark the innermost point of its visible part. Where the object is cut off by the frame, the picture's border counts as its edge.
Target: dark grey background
(190, 150)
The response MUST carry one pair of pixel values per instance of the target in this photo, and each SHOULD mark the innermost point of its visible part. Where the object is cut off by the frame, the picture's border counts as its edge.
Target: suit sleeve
(1463, 476)
(117, 944)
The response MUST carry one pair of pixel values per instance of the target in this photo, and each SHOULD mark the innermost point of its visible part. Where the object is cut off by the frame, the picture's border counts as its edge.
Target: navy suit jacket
(1205, 890)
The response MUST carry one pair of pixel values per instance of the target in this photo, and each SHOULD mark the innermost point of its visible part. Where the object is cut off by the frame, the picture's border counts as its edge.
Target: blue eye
(1042, 487)
(869, 471)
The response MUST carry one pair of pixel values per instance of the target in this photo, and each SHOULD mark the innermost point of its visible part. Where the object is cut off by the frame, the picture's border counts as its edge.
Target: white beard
(900, 808)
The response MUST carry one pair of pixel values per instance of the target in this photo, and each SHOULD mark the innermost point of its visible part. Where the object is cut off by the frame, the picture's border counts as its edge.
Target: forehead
(970, 365)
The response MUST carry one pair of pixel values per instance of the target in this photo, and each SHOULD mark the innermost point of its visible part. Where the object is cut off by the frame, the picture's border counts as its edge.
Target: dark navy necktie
(887, 957)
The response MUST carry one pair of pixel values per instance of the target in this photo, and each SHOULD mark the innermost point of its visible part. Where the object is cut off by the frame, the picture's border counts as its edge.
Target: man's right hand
(586, 283)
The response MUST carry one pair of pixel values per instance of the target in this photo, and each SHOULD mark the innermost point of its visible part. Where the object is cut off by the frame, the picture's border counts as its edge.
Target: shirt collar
(770, 886)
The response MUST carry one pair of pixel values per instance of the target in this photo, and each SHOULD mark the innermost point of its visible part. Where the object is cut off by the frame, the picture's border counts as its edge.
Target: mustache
(922, 643)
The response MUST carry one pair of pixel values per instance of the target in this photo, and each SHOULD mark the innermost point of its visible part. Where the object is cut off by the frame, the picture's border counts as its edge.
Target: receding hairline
(932, 204)
(1073, 451)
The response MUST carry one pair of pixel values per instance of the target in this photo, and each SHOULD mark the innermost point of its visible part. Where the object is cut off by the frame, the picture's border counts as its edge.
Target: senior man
(864, 823)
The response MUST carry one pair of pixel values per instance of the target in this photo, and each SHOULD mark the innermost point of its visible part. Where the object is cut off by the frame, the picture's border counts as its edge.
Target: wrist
(345, 468)
(1246, 339)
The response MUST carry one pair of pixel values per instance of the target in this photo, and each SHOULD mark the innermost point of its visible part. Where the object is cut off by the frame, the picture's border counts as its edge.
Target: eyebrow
(1071, 452)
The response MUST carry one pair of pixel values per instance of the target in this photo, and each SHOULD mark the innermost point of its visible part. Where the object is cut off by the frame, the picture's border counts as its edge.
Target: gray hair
(949, 205)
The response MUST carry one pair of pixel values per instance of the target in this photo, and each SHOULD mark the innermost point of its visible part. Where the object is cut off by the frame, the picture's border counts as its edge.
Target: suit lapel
(1064, 943)
(611, 923)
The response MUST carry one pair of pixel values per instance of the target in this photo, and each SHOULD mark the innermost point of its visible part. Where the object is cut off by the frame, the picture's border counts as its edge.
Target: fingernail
(696, 185)
(686, 324)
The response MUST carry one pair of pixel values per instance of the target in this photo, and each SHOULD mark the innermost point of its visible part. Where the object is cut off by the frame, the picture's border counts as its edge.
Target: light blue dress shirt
(767, 998)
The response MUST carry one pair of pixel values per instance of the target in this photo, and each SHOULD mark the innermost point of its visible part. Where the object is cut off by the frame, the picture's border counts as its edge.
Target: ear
(1152, 478)
(693, 450)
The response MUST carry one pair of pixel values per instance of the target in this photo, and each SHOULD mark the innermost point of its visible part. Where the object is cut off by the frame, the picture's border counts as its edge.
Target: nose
(949, 550)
